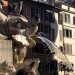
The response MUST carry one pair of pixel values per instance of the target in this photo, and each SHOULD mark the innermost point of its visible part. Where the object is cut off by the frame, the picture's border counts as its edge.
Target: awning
(55, 49)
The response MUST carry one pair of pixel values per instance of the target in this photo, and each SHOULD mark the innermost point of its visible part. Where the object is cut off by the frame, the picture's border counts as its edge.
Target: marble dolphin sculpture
(18, 25)
(20, 32)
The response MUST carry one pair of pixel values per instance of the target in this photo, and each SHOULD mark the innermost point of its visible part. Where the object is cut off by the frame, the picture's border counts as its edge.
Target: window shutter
(74, 20)
(60, 18)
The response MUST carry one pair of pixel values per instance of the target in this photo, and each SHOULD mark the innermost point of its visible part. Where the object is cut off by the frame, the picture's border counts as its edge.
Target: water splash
(55, 49)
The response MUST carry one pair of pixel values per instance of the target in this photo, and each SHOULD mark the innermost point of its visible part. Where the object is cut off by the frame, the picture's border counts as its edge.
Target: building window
(36, 11)
(40, 12)
(53, 34)
(38, 48)
(68, 48)
(35, 49)
(60, 18)
(67, 33)
(41, 66)
(48, 67)
(47, 29)
(74, 20)
(66, 18)
(49, 17)
(40, 27)
(32, 12)
(54, 65)
(10, 7)
(60, 34)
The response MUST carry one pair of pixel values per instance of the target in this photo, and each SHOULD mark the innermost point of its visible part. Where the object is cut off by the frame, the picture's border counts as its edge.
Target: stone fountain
(16, 28)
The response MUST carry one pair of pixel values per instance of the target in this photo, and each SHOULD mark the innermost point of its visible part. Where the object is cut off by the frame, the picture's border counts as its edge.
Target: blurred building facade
(50, 25)
(66, 31)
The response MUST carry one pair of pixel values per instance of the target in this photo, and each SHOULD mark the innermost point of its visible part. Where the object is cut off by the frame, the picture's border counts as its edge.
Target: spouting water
(53, 48)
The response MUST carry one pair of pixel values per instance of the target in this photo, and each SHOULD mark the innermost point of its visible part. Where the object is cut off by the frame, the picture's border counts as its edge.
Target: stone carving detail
(17, 29)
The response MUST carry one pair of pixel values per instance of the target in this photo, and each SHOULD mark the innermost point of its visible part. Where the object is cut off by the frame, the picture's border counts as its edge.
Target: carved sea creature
(17, 29)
